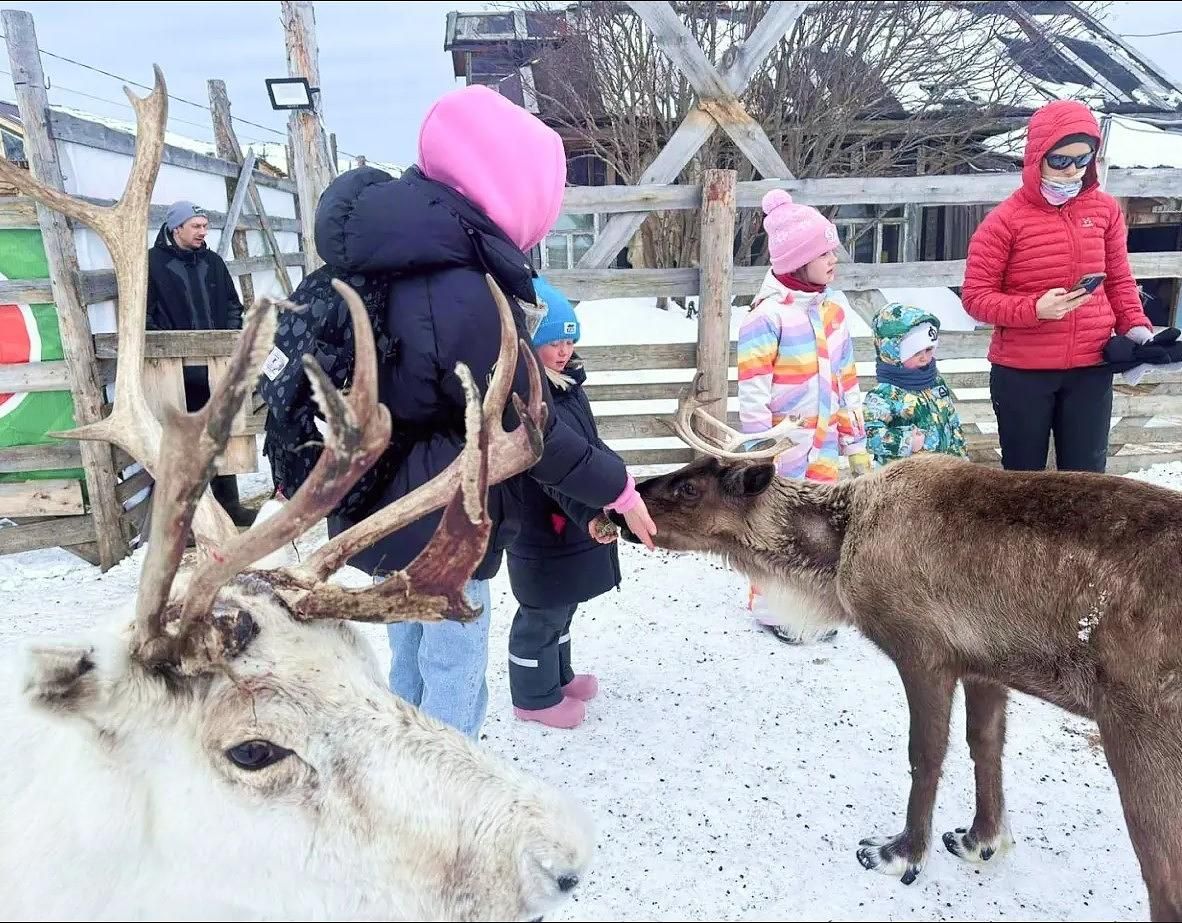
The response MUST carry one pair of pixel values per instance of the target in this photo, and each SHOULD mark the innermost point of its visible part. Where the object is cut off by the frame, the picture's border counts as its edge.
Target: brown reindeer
(1049, 583)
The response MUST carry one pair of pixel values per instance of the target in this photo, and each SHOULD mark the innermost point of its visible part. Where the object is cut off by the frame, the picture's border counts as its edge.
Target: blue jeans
(441, 666)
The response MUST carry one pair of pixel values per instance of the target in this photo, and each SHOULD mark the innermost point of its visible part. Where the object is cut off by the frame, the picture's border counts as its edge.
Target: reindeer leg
(929, 697)
(985, 708)
(1144, 752)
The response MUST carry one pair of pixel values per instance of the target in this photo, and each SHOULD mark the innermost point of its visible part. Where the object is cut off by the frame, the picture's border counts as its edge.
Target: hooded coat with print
(895, 414)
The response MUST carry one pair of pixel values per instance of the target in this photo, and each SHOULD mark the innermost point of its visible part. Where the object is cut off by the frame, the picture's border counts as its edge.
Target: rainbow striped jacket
(796, 357)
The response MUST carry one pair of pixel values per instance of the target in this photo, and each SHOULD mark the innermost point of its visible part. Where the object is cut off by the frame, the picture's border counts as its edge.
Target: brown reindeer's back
(1081, 559)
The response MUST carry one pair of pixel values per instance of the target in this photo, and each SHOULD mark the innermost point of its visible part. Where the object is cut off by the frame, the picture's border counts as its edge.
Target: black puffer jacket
(190, 289)
(554, 561)
(438, 246)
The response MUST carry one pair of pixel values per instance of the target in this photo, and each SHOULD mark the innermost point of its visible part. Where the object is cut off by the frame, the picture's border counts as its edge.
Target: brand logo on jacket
(1087, 223)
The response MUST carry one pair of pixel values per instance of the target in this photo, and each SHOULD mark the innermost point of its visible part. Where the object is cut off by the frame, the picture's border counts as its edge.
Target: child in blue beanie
(565, 553)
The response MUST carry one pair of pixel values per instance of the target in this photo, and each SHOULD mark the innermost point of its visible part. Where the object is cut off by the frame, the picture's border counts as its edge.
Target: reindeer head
(229, 745)
(709, 505)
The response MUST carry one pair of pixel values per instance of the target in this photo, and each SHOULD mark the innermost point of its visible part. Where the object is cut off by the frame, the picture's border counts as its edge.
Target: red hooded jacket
(1026, 246)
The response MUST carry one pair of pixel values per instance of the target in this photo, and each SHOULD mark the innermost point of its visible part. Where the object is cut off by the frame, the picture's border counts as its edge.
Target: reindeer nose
(567, 883)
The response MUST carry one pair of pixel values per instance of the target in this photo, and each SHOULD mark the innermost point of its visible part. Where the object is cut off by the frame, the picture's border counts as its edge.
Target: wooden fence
(100, 528)
(100, 522)
(1145, 431)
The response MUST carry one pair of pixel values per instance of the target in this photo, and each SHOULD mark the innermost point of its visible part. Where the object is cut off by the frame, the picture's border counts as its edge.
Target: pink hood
(504, 160)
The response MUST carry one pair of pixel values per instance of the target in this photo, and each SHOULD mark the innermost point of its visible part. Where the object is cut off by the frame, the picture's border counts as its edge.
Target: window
(872, 233)
(14, 147)
(572, 236)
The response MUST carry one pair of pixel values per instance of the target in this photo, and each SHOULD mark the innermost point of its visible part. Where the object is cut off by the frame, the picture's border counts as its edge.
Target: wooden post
(227, 149)
(97, 461)
(716, 259)
(312, 168)
(234, 213)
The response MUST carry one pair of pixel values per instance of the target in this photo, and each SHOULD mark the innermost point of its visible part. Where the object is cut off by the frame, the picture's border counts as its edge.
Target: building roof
(271, 156)
(1046, 48)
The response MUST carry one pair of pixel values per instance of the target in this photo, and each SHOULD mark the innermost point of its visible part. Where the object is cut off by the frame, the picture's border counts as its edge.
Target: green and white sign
(30, 333)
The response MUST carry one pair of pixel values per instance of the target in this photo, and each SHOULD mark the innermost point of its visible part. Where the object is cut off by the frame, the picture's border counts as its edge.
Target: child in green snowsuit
(911, 408)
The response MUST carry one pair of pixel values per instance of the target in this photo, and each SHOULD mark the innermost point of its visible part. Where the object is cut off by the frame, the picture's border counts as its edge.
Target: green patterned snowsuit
(893, 414)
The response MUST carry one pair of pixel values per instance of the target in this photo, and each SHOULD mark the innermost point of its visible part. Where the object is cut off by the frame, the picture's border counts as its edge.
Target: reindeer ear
(60, 676)
(748, 480)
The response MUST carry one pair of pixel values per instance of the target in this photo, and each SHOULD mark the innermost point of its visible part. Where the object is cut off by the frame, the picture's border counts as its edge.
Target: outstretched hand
(641, 524)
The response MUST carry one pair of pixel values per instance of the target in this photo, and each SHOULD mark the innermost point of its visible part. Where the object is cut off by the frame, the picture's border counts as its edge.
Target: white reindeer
(228, 749)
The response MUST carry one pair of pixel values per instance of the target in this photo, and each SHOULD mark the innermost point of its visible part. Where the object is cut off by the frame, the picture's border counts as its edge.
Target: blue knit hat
(560, 322)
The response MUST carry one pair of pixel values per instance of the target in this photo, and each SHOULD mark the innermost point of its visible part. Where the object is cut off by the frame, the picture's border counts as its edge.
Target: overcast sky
(381, 64)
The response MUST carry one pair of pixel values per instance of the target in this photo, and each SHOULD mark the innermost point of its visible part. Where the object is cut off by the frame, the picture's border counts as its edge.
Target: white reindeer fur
(120, 802)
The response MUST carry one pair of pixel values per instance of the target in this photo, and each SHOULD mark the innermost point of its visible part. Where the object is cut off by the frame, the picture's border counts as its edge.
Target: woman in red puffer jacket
(1024, 262)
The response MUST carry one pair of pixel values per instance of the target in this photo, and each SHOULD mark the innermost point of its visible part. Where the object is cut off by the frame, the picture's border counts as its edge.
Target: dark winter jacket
(554, 561)
(190, 289)
(439, 246)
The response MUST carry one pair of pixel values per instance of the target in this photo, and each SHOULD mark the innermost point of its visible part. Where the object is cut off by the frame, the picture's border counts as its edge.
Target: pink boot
(569, 713)
(584, 686)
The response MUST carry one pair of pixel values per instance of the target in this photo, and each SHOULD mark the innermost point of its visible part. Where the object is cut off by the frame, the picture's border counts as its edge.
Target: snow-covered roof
(1008, 45)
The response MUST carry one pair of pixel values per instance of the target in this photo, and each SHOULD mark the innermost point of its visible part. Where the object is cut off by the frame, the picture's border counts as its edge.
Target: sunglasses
(1063, 161)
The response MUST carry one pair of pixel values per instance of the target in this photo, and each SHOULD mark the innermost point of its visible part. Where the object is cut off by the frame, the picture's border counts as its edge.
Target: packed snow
(730, 776)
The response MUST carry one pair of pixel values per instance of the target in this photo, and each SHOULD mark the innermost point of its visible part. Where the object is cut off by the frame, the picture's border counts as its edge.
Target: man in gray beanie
(190, 288)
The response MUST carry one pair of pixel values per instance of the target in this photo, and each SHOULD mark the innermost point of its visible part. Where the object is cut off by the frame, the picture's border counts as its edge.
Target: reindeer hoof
(887, 856)
(966, 845)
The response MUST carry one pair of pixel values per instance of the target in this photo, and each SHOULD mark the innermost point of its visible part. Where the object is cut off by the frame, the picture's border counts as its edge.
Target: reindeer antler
(768, 443)
(430, 587)
(510, 454)
(124, 229)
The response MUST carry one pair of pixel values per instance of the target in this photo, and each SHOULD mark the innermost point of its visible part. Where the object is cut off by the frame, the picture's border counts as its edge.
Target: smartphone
(1090, 283)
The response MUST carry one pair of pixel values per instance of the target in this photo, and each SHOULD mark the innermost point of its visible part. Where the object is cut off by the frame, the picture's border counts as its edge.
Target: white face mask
(1057, 192)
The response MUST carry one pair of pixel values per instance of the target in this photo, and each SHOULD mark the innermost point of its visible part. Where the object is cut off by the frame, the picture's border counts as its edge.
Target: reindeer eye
(686, 490)
(256, 754)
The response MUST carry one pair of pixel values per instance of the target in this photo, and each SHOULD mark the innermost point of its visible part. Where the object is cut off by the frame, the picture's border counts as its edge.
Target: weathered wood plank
(696, 127)
(671, 390)
(637, 457)
(977, 189)
(47, 457)
(99, 284)
(174, 344)
(223, 129)
(52, 533)
(28, 80)
(715, 95)
(241, 453)
(41, 498)
(26, 291)
(217, 220)
(35, 376)
(133, 485)
(70, 128)
(593, 284)
(717, 246)
(228, 146)
(235, 211)
(312, 167)
(18, 212)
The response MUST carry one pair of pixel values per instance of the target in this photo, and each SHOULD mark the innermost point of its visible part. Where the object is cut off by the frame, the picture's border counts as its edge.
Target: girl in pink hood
(488, 187)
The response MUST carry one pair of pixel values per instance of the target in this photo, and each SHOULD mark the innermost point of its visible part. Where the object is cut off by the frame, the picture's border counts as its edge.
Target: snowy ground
(731, 777)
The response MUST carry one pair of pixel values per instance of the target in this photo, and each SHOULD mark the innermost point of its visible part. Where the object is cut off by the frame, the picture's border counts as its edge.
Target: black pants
(1075, 405)
(539, 655)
